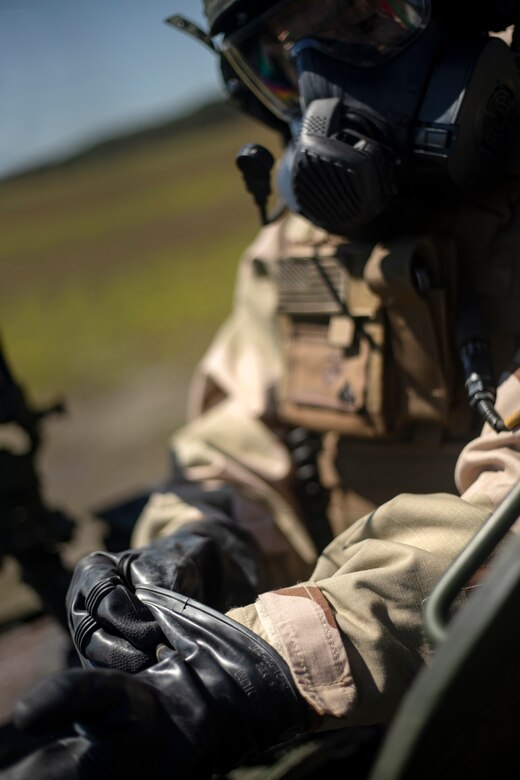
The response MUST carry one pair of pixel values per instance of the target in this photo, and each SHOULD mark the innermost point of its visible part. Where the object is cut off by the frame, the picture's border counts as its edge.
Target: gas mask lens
(360, 32)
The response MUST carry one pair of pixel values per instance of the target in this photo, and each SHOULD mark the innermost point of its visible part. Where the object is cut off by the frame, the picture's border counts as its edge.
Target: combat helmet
(218, 12)
(493, 15)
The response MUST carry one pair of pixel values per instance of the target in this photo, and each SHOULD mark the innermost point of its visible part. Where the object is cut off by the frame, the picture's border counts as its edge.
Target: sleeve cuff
(299, 623)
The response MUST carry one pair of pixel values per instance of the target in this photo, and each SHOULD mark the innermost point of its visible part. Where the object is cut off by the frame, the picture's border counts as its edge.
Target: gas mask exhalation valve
(340, 177)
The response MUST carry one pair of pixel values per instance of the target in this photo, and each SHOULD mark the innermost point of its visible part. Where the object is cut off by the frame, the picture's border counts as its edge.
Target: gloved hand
(212, 560)
(221, 695)
(114, 723)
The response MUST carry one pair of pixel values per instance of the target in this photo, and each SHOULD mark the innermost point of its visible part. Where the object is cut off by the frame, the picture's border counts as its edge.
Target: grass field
(118, 262)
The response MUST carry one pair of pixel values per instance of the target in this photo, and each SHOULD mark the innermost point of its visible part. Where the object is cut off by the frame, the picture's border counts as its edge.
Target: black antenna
(255, 163)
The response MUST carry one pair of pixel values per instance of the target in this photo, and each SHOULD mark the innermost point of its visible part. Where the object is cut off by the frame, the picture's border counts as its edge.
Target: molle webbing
(368, 353)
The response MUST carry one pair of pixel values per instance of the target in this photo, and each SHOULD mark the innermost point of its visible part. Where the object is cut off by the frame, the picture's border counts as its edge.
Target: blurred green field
(124, 260)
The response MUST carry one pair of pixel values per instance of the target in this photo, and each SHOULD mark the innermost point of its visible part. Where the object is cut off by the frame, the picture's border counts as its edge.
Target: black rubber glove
(109, 709)
(212, 560)
(221, 695)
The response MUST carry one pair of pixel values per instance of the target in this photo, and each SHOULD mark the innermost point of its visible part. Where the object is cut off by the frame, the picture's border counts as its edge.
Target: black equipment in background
(30, 531)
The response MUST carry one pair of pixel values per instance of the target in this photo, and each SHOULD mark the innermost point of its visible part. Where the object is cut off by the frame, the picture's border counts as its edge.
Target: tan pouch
(366, 353)
(333, 333)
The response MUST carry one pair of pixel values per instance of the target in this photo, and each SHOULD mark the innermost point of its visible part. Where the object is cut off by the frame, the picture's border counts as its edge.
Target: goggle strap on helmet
(187, 26)
(237, 91)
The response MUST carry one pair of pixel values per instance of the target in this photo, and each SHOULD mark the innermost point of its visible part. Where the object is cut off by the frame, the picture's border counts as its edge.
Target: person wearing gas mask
(360, 359)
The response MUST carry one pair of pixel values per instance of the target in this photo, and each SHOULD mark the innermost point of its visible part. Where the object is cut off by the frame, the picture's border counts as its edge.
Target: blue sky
(75, 71)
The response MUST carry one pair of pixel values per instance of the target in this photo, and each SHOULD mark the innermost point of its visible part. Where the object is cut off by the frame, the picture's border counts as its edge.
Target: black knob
(255, 163)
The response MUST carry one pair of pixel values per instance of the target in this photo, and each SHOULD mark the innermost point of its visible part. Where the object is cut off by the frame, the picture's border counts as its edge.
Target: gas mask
(383, 105)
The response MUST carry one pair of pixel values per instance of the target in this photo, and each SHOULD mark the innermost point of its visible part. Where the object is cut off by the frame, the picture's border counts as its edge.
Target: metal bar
(474, 555)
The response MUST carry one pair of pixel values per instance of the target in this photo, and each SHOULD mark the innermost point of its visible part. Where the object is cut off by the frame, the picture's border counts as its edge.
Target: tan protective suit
(335, 336)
